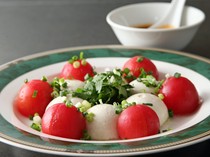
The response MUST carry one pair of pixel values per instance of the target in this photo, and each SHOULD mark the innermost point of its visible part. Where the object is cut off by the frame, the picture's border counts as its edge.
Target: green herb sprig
(109, 87)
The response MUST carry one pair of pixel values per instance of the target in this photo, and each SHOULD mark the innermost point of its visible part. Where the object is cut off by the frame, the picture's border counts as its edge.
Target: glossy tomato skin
(136, 63)
(137, 121)
(180, 95)
(60, 120)
(70, 72)
(33, 97)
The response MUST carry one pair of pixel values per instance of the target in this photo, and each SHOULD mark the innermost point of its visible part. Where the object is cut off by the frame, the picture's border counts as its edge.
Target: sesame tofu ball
(140, 87)
(61, 99)
(157, 104)
(104, 123)
(74, 84)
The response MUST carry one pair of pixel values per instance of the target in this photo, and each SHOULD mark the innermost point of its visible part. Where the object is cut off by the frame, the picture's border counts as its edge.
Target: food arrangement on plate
(121, 103)
(178, 131)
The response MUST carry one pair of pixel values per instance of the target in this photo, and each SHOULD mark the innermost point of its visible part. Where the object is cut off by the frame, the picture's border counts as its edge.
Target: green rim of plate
(14, 69)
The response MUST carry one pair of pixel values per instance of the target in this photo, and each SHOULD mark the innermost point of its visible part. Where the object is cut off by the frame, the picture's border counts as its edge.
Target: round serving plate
(14, 129)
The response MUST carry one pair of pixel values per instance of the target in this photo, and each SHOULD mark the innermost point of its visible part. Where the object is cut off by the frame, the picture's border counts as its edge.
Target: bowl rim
(128, 28)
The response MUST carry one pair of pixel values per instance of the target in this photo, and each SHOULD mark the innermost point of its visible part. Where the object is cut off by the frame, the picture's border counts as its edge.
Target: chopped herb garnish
(64, 92)
(76, 64)
(161, 96)
(81, 55)
(76, 58)
(139, 59)
(108, 87)
(148, 104)
(120, 107)
(83, 62)
(36, 114)
(143, 73)
(59, 87)
(26, 81)
(34, 94)
(54, 94)
(149, 80)
(68, 103)
(36, 126)
(83, 106)
(44, 78)
(31, 117)
(126, 70)
(86, 136)
(177, 75)
(159, 85)
(127, 74)
(89, 116)
(165, 130)
(170, 113)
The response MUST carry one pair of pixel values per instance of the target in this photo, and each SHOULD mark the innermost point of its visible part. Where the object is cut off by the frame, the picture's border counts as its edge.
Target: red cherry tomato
(137, 121)
(180, 95)
(77, 70)
(33, 97)
(63, 121)
(135, 64)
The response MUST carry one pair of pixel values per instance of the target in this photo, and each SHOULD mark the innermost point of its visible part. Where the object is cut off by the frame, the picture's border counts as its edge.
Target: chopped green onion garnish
(139, 59)
(76, 64)
(34, 94)
(177, 75)
(170, 113)
(86, 136)
(44, 78)
(148, 104)
(83, 62)
(161, 96)
(81, 55)
(74, 58)
(120, 107)
(69, 104)
(36, 114)
(54, 94)
(31, 117)
(36, 126)
(126, 70)
(26, 81)
(89, 116)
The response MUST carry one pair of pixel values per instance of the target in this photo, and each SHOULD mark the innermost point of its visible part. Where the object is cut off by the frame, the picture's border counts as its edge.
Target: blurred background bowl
(124, 19)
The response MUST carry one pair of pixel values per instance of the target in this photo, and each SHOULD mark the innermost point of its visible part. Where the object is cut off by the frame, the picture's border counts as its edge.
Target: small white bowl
(122, 19)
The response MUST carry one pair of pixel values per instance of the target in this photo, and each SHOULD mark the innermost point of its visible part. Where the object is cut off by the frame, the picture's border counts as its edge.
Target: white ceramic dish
(123, 18)
(187, 130)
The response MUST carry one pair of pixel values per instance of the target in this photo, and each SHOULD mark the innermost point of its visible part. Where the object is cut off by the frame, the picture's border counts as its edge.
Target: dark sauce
(148, 25)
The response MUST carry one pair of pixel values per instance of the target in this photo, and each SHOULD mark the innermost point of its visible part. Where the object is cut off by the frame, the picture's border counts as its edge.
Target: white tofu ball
(57, 100)
(104, 123)
(76, 100)
(61, 99)
(157, 104)
(140, 87)
(74, 84)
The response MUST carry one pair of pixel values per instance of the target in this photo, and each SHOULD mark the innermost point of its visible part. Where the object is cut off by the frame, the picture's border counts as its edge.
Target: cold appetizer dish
(121, 103)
